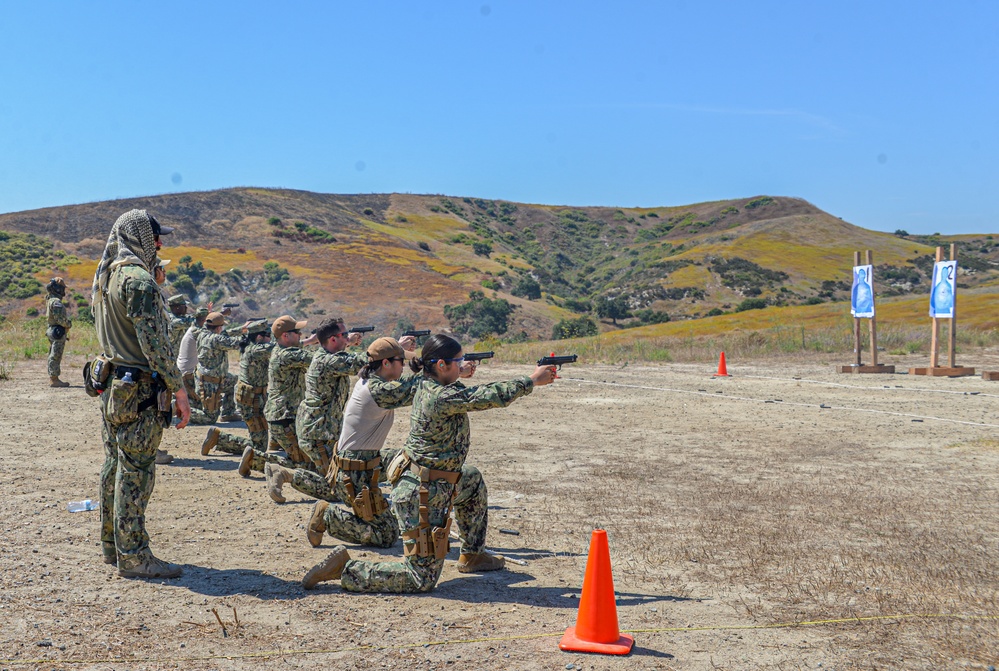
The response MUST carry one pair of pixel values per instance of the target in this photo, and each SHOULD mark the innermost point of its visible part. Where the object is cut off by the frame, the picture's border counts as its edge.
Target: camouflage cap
(201, 312)
(178, 299)
(258, 326)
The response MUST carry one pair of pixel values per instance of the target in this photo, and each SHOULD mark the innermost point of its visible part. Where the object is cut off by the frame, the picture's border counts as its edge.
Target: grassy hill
(382, 259)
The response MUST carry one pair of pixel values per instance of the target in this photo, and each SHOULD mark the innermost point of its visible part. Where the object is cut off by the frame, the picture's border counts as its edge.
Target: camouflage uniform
(215, 384)
(285, 390)
(438, 439)
(55, 312)
(178, 327)
(132, 305)
(251, 397)
(341, 521)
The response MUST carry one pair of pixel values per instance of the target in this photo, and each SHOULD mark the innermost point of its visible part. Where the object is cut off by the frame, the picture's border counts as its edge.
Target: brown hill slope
(380, 258)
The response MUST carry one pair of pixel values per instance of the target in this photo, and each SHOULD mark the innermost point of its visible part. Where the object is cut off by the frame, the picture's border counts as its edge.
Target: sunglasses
(396, 358)
(294, 331)
(458, 360)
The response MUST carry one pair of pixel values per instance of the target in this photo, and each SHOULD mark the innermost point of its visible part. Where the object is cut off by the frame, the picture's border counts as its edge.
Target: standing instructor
(134, 335)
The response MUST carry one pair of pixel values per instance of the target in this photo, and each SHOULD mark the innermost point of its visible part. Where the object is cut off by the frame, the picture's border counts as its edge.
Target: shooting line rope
(498, 639)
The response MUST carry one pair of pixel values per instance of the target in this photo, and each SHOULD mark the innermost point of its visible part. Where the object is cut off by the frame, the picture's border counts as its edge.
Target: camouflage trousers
(127, 481)
(343, 523)
(56, 348)
(282, 439)
(217, 395)
(192, 391)
(420, 574)
(251, 408)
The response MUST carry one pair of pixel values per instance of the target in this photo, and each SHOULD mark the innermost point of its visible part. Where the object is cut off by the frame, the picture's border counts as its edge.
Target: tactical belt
(211, 379)
(356, 464)
(138, 374)
(431, 542)
(254, 390)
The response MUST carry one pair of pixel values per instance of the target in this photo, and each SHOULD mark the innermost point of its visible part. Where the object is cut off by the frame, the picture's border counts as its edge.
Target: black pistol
(478, 356)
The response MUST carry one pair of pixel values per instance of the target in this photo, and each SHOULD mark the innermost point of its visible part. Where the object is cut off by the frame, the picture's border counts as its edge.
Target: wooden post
(952, 369)
(869, 260)
(858, 366)
(856, 321)
(935, 337)
(953, 320)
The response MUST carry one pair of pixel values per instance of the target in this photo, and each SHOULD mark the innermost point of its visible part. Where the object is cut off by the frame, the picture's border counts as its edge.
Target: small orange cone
(596, 623)
(722, 369)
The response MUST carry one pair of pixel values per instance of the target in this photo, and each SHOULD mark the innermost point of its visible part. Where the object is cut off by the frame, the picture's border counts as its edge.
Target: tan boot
(211, 440)
(330, 568)
(151, 567)
(245, 461)
(232, 417)
(162, 457)
(317, 524)
(479, 562)
(54, 381)
(276, 476)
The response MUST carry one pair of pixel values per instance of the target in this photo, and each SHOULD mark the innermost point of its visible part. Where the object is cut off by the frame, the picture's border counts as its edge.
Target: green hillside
(385, 258)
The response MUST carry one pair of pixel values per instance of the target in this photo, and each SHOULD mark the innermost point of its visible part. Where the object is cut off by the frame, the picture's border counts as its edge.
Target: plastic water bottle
(127, 378)
(81, 506)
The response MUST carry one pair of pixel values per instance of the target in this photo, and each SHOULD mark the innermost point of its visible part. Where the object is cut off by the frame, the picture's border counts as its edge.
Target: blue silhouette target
(862, 301)
(944, 288)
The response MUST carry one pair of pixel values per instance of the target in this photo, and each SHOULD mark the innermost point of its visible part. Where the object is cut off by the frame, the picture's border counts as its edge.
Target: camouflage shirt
(286, 382)
(389, 395)
(213, 349)
(253, 364)
(178, 327)
(438, 427)
(327, 386)
(55, 311)
(132, 327)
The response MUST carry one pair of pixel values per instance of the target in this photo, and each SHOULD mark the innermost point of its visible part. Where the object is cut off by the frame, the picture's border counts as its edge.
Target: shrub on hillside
(751, 304)
(480, 316)
(574, 328)
(527, 287)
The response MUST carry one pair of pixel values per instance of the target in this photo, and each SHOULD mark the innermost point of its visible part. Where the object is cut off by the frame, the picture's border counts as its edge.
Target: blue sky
(884, 114)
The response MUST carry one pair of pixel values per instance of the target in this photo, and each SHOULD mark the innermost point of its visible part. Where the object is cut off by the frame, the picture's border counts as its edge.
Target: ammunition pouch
(123, 404)
(369, 502)
(248, 395)
(398, 466)
(213, 402)
(256, 423)
(95, 375)
(431, 542)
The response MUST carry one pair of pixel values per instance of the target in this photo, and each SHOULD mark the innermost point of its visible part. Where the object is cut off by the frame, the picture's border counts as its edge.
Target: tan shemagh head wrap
(130, 242)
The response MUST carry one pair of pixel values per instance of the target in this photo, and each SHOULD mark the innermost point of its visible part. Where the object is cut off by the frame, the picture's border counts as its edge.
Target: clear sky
(883, 113)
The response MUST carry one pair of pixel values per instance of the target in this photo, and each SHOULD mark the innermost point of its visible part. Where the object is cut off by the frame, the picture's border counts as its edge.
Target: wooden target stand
(951, 370)
(858, 366)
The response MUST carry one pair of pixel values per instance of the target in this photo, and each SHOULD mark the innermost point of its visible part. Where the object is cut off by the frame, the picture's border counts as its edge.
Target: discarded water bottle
(127, 378)
(81, 506)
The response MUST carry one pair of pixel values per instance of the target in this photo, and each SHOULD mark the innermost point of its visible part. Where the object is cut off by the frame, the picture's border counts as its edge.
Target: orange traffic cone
(596, 624)
(722, 369)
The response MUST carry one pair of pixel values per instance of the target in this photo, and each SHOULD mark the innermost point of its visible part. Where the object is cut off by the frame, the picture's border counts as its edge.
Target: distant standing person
(187, 356)
(58, 329)
(134, 336)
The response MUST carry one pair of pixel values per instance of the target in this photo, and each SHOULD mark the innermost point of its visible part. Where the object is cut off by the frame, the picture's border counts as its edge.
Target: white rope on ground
(857, 386)
(791, 403)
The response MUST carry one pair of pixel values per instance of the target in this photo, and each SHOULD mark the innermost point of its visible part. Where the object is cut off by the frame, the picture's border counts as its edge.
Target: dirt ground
(750, 526)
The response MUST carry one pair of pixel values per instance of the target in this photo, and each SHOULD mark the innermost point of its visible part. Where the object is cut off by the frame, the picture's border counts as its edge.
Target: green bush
(574, 328)
(31, 312)
(527, 287)
(482, 249)
(480, 316)
(714, 312)
(751, 304)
